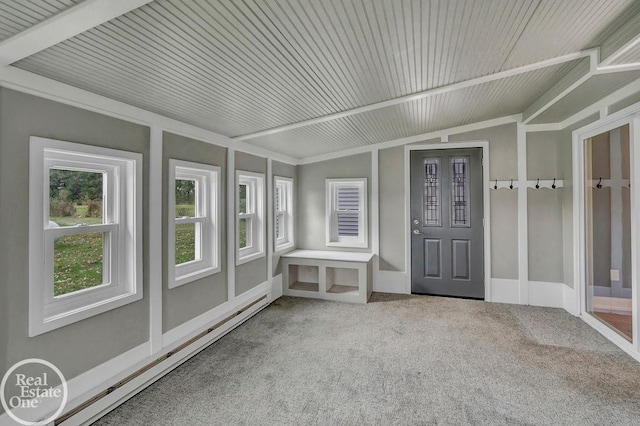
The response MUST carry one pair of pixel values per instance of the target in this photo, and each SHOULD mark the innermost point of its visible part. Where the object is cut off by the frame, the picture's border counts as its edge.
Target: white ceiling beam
(574, 78)
(617, 96)
(607, 69)
(620, 42)
(546, 127)
(62, 26)
(421, 95)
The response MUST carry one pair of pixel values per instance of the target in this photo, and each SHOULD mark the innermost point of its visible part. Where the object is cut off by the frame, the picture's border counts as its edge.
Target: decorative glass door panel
(432, 193)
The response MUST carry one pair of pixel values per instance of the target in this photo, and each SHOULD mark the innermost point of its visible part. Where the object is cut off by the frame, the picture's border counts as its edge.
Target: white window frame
(255, 214)
(285, 210)
(332, 237)
(206, 219)
(122, 251)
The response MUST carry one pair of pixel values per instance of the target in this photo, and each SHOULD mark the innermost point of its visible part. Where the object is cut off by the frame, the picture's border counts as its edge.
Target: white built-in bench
(329, 275)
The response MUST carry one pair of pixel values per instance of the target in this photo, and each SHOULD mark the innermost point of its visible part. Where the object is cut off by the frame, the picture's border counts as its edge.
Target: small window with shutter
(346, 212)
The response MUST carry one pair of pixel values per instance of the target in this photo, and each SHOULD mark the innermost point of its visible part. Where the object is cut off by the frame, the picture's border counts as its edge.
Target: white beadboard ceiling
(243, 66)
(19, 15)
(587, 93)
(478, 103)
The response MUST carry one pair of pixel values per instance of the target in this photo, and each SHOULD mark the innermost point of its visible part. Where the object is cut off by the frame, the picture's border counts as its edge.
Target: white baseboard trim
(540, 293)
(83, 387)
(185, 331)
(121, 394)
(570, 300)
(93, 382)
(390, 282)
(505, 291)
(276, 287)
(546, 294)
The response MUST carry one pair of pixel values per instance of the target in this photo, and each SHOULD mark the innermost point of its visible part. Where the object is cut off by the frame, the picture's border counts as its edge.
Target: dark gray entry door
(447, 249)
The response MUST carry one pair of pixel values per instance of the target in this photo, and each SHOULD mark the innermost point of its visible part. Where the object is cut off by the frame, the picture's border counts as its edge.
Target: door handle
(417, 232)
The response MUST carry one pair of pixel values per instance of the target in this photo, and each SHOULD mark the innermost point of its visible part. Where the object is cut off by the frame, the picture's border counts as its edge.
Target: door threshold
(448, 296)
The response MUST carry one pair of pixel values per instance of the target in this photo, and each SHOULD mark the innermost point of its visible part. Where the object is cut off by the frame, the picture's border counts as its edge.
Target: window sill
(348, 244)
(241, 260)
(193, 276)
(282, 247)
(44, 325)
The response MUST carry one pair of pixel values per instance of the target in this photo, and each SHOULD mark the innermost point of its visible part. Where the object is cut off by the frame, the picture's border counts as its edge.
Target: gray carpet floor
(398, 360)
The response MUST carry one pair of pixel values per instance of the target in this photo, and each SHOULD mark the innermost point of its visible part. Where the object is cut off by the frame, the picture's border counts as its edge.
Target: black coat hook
(553, 185)
(599, 185)
(538, 184)
(511, 185)
(496, 185)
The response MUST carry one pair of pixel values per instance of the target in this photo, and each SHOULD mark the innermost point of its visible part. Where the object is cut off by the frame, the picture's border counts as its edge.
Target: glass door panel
(608, 230)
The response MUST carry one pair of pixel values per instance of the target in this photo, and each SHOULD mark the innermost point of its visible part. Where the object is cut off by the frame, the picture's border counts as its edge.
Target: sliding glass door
(608, 245)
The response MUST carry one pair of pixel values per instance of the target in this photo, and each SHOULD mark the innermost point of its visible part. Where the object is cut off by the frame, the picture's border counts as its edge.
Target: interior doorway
(447, 230)
(607, 230)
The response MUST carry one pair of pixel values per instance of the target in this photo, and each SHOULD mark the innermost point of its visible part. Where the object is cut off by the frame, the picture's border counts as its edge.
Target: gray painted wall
(83, 345)
(391, 199)
(186, 302)
(286, 170)
(503, 149)
(254, 273)
(544, 208)
(504, 234)
(312, 193)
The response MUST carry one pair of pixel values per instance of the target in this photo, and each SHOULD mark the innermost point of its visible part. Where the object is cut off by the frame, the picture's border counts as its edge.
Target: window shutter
(348, 207)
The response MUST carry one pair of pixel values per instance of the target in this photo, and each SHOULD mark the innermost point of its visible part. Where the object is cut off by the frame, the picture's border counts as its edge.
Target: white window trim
(332, 238)
(123, 206)
(207, 215)
(255, 198)
(288, 240)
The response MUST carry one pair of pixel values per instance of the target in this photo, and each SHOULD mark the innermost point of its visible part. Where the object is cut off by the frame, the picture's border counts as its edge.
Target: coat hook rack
(538, 183)
(498, 184)
(599, 185)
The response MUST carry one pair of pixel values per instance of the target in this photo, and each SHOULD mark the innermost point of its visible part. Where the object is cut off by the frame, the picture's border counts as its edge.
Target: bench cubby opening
(342, 280)
(304, 278)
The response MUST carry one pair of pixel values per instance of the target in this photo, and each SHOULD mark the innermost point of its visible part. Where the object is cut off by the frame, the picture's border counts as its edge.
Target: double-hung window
(249, 217)
(85, 239)
(194, 237)
(346, 212)
(283, 213)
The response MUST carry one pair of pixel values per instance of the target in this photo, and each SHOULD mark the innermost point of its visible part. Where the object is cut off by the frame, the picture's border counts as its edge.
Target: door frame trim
(485, 196)
(579, 236)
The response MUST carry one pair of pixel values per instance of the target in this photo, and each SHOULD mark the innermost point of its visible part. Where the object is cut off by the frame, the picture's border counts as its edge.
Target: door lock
(416, 222)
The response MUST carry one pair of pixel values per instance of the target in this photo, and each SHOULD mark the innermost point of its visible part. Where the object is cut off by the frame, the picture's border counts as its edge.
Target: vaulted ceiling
(307, 77)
